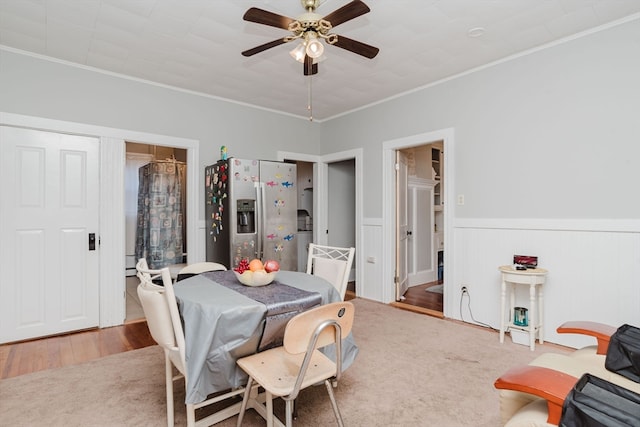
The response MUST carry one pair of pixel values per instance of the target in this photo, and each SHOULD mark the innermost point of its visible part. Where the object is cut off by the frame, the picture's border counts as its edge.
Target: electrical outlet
(463, 289)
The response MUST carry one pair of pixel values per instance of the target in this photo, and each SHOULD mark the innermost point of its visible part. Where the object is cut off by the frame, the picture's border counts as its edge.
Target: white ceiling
(196, 44)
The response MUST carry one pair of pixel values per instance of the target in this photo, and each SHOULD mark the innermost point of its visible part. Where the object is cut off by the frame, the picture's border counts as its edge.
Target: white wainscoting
(201, 244)
(594, 270)
(371, 260)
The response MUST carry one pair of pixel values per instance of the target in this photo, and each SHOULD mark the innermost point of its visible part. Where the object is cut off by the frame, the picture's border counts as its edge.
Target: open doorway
(161, 164)
(431, 151)
(341, 210)
(336, 202)
(420, 218)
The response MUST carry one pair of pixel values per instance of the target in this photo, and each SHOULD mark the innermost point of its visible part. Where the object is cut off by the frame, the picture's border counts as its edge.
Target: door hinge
(397, 166)
(396, 279)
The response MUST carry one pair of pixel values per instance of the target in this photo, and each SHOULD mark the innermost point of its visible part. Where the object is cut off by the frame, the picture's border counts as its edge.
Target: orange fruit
(256, 265)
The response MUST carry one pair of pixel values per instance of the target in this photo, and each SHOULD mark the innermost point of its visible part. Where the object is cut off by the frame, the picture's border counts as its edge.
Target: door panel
(73, 244)
(50, 278)
(402, 227)
(29, 249)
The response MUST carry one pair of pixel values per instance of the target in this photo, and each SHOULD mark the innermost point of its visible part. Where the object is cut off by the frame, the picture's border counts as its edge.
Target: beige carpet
(412, 370)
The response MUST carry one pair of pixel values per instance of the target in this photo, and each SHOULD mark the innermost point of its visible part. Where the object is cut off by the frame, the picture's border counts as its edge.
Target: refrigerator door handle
(261, 219)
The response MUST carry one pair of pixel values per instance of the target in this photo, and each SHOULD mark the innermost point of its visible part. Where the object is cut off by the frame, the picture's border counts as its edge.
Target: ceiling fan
(310, 28)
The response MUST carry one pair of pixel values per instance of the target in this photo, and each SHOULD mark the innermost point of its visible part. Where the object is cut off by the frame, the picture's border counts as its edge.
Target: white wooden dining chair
(297, 364)
(332, 264)
(163, 319)
(197, 268)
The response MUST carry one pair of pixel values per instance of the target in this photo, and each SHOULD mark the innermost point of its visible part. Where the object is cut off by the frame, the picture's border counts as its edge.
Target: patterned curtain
(160, 231)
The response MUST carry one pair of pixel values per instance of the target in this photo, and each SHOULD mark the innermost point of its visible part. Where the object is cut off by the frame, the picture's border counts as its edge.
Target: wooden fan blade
(309, 67)
(263, 47)
(265, 17)
(357, 47)
(347, 12)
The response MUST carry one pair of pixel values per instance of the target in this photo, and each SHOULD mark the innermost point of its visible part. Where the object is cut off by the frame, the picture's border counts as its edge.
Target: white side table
(535, 279)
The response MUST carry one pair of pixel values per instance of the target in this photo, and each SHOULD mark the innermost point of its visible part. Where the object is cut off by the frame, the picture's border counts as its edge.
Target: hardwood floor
(419, 300)
(416, 299)
(70, 349)
(418, 295)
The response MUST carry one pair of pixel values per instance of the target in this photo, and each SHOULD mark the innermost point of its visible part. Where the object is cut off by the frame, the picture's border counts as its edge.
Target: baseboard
(417, 309)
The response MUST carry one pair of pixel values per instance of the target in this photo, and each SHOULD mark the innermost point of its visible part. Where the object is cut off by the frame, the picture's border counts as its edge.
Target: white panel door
(48, 207)
(402, 225)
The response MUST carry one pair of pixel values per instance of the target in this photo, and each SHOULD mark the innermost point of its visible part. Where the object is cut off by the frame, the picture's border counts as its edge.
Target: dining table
(224, 320)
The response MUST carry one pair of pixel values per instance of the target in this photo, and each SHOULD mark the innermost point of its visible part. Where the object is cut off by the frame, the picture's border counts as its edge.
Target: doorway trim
(112, 223)
(320, 197)
(389, 204)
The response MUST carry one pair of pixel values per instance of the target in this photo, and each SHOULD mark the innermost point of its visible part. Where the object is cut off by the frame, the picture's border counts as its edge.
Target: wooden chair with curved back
(332, 264)
(297, 364)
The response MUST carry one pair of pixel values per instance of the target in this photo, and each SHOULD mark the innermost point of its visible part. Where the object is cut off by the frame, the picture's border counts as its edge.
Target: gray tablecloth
(281, 301)
(222, 325)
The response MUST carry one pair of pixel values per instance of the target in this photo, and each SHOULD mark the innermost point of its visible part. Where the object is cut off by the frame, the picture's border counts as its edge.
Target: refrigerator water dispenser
(246, 212)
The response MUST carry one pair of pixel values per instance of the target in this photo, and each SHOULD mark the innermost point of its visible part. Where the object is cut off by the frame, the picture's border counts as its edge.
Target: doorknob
(92, 241)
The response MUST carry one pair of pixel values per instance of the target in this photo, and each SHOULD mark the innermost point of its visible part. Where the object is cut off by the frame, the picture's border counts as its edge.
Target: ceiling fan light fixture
(310, 28)
(315, 48)
(298, 52)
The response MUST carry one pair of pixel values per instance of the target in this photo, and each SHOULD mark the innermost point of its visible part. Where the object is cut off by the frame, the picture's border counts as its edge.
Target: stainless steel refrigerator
(251, 212)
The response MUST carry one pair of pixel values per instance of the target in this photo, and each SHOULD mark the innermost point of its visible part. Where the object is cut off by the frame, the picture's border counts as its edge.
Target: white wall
(342, 200)
(547, 140)
(594, 270)
(548, 135)
(81, 101)
(40, 88)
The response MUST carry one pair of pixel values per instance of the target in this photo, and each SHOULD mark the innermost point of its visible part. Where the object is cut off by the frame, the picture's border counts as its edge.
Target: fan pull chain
(310, 103)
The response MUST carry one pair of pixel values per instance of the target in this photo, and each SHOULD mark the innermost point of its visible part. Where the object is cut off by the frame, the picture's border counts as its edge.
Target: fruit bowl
(255, 278)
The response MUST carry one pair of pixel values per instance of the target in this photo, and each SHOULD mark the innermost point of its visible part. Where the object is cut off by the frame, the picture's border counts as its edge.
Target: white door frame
(320, 198)
(389, 206)
(401, 244)
(112, 224)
